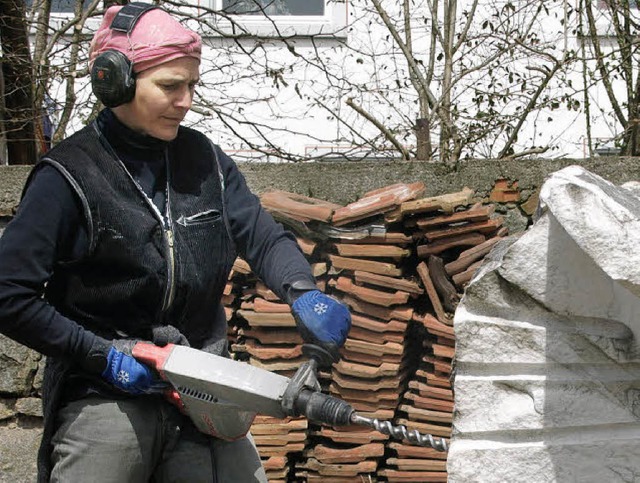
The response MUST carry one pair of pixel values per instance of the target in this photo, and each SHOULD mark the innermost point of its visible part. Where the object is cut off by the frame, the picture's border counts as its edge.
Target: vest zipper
(170, 292)
(165, 222)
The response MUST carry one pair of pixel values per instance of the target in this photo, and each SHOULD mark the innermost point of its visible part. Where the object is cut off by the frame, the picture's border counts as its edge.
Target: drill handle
(321, 356)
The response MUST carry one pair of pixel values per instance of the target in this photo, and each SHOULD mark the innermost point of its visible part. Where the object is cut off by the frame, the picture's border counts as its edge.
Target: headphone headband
(112, 77)
(127, 17)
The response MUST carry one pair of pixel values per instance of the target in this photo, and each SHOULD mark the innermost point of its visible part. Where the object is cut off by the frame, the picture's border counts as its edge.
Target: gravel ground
(19, 441)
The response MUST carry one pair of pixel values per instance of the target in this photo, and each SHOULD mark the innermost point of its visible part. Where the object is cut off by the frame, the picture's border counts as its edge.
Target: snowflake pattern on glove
(320, 308)
(123, 377)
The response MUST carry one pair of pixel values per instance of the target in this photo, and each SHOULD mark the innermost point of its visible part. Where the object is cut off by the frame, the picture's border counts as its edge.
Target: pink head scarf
(156, 38)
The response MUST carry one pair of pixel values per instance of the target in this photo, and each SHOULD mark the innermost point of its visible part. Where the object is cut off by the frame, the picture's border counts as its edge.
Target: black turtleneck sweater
(49, 229)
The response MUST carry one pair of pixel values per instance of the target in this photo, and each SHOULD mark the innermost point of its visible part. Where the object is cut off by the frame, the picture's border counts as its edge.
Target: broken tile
(468, 257)
(318, 269)
(426, 428)
(395, 476)
(264, 306)
(370, 295)
(384, 313)
(370, 359)
(390, 396)
(278, 365)
(403, 284)
(387, 238)
(352, 437)
(443, 351)
(489, 226)
(429, 403)
(307, 246)
(274, 462)
(365, 371)
(376, 202)
(272, 335)
(311, 477)
(279, 439)
(358, 333)
(273, 427)
(262, 290)
(364, 208)
(268, 352)
(364, 407)
(446, 291)
(366, 466)
(419, 414)
(257, 319)
(434, 326)
(371, 251)
(430, 391)
(241, 266)
(411, 464)
(381, 268)
(504, 191)
(406, 450)
(373, 349)
(298, 205)
(403, 192)
(423, 272)
(473, 215)
(266, 451)
(439, 376)
(277, 476)
(373, 325)
(349, 382)
(447, 203)
(438, 246)
(381, 414)
(331, 455)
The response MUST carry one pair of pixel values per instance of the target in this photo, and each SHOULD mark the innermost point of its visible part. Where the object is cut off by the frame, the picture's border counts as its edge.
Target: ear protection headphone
(112, 78)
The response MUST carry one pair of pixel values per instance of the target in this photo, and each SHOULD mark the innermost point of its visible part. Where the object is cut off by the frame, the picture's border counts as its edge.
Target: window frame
(332, 24)
(604, 20)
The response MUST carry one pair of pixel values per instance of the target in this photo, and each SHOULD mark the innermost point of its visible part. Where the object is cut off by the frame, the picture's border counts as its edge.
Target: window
(605, 4)
(604, 10)
(59, 6)
(274, 7)
(269, 18)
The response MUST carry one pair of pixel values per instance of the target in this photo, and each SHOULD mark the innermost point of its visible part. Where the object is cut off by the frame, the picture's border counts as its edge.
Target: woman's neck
(128, 142)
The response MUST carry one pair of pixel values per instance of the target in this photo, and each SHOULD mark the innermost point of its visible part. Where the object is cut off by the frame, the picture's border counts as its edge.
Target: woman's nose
(184, 98)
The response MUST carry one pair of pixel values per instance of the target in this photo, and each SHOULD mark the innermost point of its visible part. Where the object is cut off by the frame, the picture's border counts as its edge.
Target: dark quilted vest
(141, 271)
(142, 268)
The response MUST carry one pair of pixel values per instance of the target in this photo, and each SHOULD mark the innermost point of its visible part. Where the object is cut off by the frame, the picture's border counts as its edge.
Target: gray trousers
(144, 440)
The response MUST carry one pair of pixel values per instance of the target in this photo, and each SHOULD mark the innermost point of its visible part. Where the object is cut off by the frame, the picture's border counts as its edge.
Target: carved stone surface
(547, 386)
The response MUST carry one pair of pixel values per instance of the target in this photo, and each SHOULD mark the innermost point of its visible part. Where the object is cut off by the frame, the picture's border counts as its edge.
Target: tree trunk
(19, 112)
(423, 139)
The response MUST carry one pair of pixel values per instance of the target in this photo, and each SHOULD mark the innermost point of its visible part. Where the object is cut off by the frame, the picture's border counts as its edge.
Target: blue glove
(322, 320)
(127, 374)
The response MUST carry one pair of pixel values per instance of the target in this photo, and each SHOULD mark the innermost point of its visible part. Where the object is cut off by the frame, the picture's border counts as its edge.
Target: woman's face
(163, 97)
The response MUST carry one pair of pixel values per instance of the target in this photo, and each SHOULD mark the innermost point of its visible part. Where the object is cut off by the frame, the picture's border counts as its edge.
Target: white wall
(303, 109)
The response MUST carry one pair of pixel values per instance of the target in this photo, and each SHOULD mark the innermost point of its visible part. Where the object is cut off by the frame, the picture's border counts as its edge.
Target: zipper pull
(170, 237)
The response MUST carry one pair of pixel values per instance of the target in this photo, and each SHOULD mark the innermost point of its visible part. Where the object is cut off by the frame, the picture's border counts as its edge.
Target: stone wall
(511, 185)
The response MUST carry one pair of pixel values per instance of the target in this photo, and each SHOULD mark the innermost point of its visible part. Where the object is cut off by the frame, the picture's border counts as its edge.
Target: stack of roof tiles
(399, 261)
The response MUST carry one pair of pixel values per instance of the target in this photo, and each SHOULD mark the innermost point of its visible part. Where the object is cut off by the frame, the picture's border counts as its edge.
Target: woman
(127, 231)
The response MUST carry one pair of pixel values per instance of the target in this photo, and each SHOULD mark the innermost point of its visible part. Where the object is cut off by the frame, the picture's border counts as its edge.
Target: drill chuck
(323, 408)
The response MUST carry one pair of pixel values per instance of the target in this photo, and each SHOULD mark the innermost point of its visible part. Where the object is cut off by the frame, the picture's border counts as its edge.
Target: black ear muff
(112, 78)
